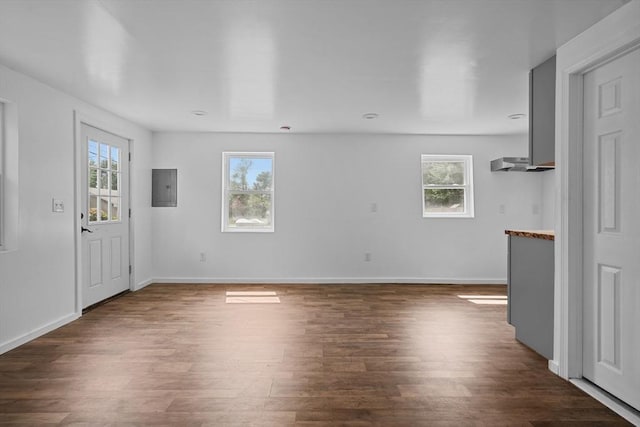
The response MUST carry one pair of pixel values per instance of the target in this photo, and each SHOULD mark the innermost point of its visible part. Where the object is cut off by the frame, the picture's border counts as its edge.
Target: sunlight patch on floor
(489, 301)
(483, 296)
(250, 293)
(486, 299)
(252, 297)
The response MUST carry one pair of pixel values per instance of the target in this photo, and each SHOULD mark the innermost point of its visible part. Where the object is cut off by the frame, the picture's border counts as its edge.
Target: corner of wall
(143, 284)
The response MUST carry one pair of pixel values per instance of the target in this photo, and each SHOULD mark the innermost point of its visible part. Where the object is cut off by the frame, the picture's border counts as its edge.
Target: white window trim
(226, 155)
(2, 212)
(9, 176)
(467, 159)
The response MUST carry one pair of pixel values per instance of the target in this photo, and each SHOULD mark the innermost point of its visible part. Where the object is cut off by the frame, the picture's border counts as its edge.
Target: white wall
(325, 185)
(548, 199)
(37, 277)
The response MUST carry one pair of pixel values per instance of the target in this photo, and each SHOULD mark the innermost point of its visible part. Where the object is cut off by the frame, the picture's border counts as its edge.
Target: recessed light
(516, 116)
(285, 128)
(199, 113)
(370, 116)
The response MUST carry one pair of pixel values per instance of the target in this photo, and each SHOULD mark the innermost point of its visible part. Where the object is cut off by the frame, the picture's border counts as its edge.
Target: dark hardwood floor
(354, 355)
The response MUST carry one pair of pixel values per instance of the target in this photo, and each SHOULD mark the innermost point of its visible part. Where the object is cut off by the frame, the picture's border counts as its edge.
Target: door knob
(83, 229)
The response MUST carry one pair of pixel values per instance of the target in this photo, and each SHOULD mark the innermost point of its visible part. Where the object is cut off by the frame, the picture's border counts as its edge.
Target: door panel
(95, 262)
(609, 317)
(611, 252)
(116, 257)
(105, 243)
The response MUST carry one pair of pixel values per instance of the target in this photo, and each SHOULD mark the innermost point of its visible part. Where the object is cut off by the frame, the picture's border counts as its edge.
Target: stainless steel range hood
(514, 164)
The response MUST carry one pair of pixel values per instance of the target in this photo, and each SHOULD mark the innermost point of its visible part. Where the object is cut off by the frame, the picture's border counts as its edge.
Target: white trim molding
(31, 335)
(614, 35)
(142, 284)
(332, 280)
(9, 177)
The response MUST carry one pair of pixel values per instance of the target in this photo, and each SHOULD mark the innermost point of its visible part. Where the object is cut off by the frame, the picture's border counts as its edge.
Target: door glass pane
(104, 181)
(93, 153)
(107, 208)
(93, 179)
(103, 209)
(114, 183)
(104, 156)
(93, 208)
(115, 158)
(445, 200)
(443, 173)
(115, 209)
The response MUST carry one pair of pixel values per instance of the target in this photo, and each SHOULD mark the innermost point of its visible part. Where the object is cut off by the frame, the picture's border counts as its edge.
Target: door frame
(81, 118)
(609, 38)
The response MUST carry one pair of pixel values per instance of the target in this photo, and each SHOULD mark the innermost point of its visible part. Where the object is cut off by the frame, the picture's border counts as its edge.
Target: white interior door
(611, 258)
(105, 215)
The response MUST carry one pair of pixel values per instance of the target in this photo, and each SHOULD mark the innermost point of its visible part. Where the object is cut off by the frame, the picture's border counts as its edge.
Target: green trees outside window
(248, 191)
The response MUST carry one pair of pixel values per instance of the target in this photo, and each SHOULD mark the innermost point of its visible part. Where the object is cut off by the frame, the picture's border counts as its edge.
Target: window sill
(467, 216)
(245, 230)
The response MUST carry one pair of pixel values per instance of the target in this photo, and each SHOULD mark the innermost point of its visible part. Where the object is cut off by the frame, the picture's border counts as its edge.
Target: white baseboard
(617, 406)
(331, 280)
(16, 342)
(142, 284)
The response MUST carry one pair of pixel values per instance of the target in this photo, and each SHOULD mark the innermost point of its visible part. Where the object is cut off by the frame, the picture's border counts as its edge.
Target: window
(104, 179)
(447, 186)
(247, 192)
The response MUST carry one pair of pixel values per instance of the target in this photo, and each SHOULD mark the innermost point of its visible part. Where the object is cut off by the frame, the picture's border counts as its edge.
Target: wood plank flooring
(353, 355)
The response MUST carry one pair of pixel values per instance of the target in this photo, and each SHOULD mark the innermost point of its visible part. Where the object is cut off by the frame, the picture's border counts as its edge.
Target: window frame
(226, 191)
(109, 170)
(467, 186)
(9, 156)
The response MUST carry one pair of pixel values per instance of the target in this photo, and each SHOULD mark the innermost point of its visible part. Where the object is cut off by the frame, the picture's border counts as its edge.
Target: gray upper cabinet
(542, 114)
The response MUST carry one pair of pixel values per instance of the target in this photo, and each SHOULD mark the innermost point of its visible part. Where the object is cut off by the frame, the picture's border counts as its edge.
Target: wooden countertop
(534, 234)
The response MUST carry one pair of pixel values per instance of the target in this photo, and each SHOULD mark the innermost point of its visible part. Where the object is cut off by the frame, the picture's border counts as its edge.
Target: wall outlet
(502, 209)
(203, 257)
(367, 256)
(57, 205)
(535, 209)
(374, 207)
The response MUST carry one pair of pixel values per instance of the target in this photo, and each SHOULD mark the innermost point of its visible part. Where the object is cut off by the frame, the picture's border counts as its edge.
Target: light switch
(57, 205)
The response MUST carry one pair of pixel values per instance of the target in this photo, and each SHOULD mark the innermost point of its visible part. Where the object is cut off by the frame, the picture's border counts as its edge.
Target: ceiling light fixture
(370, 116)
(199, 113)
(516, 116)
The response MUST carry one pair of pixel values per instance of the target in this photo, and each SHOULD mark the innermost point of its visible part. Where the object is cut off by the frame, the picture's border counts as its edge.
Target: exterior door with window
(105, 215)
(611, 315)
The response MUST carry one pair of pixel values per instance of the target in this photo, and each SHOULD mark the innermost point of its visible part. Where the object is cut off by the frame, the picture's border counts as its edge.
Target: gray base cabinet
(530, 287)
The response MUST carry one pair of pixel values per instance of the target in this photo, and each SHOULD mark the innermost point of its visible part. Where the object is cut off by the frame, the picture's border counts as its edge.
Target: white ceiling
(430, 66)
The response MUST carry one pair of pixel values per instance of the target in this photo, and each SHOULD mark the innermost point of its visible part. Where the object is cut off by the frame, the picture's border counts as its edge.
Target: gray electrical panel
(164, 188)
